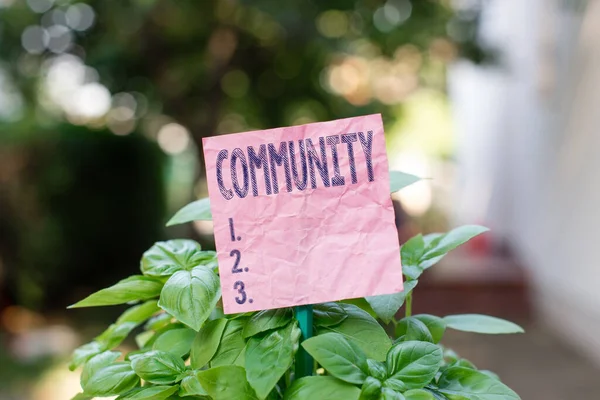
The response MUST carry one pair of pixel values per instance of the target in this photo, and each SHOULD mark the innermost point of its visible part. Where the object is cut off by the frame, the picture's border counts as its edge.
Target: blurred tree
(174, 72)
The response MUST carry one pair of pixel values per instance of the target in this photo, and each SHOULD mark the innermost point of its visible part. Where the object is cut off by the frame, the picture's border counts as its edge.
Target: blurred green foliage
(79, 203)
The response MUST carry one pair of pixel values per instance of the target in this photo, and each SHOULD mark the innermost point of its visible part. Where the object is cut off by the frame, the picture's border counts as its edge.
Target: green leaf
(159, 321)
(115, 334)
(412, 251)
(135, 353)
(463, 362)
(226, 382)
(459, 383)
(435, 325)
(452, 240)
(96, 363)
(158, 367)
(431, 241)
(190, 386)
(139, 313)
(198, 210)
(267, 320)
(376, 369)
(338, 356)
(175, 341)
(371, 389)
(491, 374)
(389, 394)
(84, 353)
(111, 380)
(418, 394)
(232, 347)
(206, 343)
(328, 314)
(190, 296)
(82, 396)
(436, 395)
(362, 330)
(410, 255)
(360, 303)
(166, 258)
(134, 288)
(414, 363)
(150, 393)
(395, 384)
(399, 180)
(142, 339)
(321, 387)
(481, 324)
(267, 359)
(410, 328)
(387, 305)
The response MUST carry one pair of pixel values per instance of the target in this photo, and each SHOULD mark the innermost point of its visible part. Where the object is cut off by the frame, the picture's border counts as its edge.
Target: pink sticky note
(303, 214)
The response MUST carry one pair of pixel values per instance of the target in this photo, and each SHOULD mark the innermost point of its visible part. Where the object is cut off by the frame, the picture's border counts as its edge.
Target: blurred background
(103, 105)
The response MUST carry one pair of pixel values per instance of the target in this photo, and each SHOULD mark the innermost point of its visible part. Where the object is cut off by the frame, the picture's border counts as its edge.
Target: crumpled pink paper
(303, 246)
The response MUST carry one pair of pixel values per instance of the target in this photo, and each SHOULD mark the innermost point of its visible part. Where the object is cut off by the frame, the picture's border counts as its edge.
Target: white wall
(529, 152)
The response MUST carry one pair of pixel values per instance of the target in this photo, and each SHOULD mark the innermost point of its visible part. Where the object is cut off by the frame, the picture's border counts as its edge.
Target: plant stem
(408, 305)
(304, 362)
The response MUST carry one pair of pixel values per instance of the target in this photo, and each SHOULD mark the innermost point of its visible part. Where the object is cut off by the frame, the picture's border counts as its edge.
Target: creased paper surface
(303, 214)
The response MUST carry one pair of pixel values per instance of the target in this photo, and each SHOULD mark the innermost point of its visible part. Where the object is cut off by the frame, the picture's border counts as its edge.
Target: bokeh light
(173, 138)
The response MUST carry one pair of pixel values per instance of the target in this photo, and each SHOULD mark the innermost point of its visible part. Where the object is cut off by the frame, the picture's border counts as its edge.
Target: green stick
(304, 362)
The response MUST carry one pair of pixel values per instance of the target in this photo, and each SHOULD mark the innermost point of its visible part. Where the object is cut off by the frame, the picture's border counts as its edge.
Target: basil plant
(187, 348)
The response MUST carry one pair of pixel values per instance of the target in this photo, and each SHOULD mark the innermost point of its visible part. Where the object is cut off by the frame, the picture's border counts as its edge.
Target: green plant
(189, 349)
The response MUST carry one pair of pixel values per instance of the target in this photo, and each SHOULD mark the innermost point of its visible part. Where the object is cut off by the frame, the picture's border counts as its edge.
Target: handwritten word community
(244, 166)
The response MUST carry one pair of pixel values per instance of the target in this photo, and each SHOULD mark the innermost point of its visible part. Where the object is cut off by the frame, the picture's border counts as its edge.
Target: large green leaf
(111, 380)
(267, 359)
(435, 325)
(158, 367)
(226, 382)
(139, 313)
(481, 324)
(134, 288)
(458, 383)
(338, 356)
(362, 330)
(175, 341)
(190, 296)
(198, 210)
(206, 343)
(414, 363)
(328, 314)
(399, 180)
(266, 320)
(387, 305)
(452, 240)
(166, 258)
(149, 393)
(321, 387)
(231, 350)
